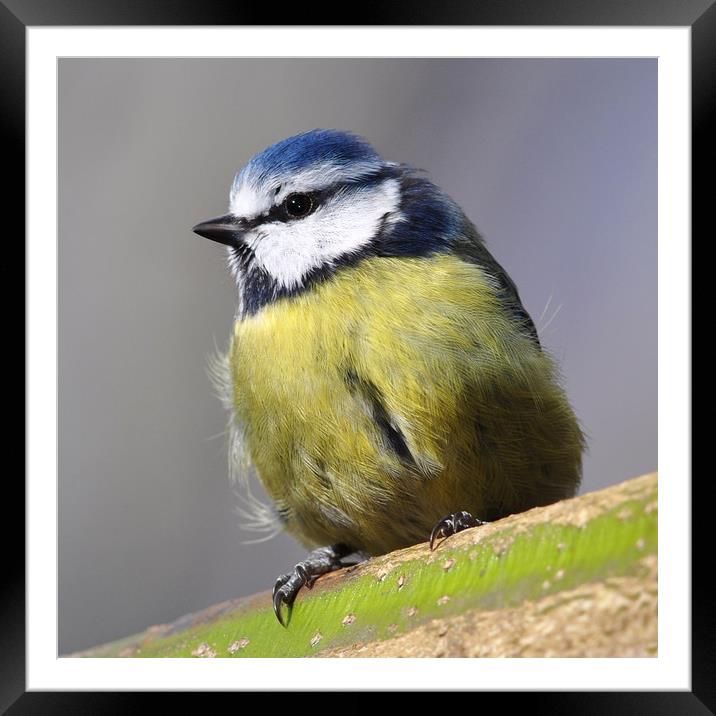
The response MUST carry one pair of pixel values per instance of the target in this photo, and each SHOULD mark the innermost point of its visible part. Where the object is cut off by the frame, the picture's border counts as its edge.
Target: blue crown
(319, 146)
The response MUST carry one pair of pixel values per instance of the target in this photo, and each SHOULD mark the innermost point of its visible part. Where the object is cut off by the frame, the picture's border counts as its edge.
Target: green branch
(577, 578)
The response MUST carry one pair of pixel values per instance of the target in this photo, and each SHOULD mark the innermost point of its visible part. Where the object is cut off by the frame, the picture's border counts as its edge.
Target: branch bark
(577, 578)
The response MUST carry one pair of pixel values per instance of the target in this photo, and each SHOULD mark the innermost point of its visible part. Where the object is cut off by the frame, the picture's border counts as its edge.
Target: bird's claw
(284, 592)
(452, 524)
(305, 574)
(287, 587)
(439, 530)
(308, 579)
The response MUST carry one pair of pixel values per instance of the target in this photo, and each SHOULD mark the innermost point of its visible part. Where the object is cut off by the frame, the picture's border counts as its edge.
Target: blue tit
(384, 380)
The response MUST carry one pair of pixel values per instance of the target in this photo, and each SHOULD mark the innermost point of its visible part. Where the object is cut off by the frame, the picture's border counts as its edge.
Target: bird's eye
(298, 205)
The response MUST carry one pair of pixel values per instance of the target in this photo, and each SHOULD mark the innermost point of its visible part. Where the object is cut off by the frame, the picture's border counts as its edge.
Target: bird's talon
(278, 598)
(279, 583)
(440, 530)
(305, 574)
(452, 524)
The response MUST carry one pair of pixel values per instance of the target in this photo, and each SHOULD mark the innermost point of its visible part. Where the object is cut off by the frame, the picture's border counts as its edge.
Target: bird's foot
(452, 524)
(319, 561)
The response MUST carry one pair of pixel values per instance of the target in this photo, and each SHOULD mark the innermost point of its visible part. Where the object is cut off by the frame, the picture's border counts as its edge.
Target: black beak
(225, 229)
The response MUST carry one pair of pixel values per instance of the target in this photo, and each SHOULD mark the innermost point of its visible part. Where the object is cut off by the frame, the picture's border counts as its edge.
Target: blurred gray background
(555, 162)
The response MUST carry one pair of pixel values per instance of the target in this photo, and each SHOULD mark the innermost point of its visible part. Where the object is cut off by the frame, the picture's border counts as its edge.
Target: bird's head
(313, 203)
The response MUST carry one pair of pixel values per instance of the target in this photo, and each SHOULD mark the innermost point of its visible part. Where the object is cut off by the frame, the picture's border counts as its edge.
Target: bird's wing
(471, 248)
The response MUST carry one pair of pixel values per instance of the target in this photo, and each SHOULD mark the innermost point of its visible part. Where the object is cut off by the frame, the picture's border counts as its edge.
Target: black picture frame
(17, 15)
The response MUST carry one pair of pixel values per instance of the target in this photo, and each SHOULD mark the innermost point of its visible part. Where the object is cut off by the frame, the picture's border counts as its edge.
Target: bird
(383, 379)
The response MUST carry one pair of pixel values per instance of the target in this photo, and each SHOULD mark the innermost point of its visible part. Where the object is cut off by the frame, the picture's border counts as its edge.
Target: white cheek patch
(289, 251)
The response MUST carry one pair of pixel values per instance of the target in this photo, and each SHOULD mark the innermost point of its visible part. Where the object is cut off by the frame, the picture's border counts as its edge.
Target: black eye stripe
(278, 213)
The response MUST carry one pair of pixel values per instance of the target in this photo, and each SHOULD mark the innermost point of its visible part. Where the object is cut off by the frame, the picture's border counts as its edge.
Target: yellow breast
(393, 393)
